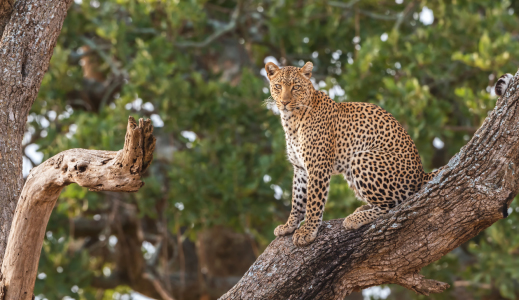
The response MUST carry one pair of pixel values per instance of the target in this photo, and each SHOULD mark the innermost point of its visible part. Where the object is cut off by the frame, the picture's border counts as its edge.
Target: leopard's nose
(285, 102)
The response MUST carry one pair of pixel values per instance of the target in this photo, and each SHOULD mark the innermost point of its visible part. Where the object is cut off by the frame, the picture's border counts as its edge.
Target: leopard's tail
(502, 84)
(429, 176)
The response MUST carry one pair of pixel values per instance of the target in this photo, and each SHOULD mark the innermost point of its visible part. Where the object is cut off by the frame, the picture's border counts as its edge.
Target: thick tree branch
(98, 170)
(469, 194)
(28, 33)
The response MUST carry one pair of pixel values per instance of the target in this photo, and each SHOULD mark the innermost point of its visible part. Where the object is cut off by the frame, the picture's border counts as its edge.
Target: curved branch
(98, 170)
(468, 195)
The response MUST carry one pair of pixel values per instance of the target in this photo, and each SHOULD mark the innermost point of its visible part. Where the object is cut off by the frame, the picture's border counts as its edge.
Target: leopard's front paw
(304, 237)
(284, 229)
(351, 223)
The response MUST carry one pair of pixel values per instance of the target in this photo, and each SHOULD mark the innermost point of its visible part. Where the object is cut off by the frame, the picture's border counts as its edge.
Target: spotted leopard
(362, 141)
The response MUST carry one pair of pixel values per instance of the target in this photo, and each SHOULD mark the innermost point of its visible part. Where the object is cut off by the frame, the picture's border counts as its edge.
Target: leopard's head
(290, 87)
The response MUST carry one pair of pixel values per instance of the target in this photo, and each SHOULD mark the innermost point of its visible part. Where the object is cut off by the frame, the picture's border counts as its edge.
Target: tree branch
(94, 47)
(469, 194)
(88, 227)
(28, 34)
(342, 4)
(380, 16)
(402, 15)
(98, 170)
(158, 286)
(468, 129)
(223, 30)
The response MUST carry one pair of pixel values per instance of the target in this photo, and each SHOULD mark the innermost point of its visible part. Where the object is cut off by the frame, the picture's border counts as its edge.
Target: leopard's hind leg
(383, 180)
(366, 216)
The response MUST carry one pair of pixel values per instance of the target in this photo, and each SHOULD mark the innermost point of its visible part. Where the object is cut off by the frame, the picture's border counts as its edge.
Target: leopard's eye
(296, 87)
(278, 86)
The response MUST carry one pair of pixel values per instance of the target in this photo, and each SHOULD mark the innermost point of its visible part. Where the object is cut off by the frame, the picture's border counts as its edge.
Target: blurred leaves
(220, 153)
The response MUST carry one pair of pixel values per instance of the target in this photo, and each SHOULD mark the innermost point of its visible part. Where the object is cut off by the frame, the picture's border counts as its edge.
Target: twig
(182, 261)
(401, 15)
(357, 30)
(466, 283)
(165, 241)
(343, 5)
(380, 16)
(224, 29)
(468, 129)
(218, 8)
(104, 56)
(158, 286)
(116, 82)
(364, 12)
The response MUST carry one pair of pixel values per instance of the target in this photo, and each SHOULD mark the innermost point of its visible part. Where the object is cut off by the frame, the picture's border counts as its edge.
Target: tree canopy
(220, 182)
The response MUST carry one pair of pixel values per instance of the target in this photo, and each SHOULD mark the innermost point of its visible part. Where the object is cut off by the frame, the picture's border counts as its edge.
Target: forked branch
(468, 195)
(117, 171)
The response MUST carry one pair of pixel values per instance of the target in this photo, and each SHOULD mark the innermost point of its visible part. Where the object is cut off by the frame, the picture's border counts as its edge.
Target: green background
(220, 172)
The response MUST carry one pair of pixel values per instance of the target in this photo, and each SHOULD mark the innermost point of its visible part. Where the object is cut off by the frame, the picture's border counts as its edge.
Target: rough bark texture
(6, 7)
(469, 194)
(98, 170)
(26, 45)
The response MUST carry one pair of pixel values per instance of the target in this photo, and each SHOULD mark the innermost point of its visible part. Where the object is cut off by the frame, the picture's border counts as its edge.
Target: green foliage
(435, 79)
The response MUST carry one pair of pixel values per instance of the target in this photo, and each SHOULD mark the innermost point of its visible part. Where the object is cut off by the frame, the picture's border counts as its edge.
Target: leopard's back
(368, 127)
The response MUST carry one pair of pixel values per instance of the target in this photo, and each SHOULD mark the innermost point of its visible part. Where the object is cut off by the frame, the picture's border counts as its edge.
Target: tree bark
(28, 31)
(6, 7)
(98, 170)
(469, 194)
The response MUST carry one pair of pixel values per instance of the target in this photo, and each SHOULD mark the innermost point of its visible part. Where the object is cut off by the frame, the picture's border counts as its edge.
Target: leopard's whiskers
(269, 101)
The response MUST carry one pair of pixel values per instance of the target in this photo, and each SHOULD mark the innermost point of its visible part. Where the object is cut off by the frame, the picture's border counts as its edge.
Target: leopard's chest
(294, 144)
(294, 152)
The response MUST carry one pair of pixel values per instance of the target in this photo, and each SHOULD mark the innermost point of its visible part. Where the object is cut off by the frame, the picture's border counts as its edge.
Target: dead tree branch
(469, 194)
(117, 171)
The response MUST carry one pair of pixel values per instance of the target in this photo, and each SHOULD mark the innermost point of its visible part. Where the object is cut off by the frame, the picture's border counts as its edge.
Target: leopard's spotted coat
(362, 141)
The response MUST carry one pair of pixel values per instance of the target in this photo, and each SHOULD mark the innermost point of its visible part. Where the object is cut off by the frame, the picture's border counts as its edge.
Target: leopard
(361, 141)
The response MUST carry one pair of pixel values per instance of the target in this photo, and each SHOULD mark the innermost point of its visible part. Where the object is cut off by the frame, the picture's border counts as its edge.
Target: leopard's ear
(306, 70)
(271, 69)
